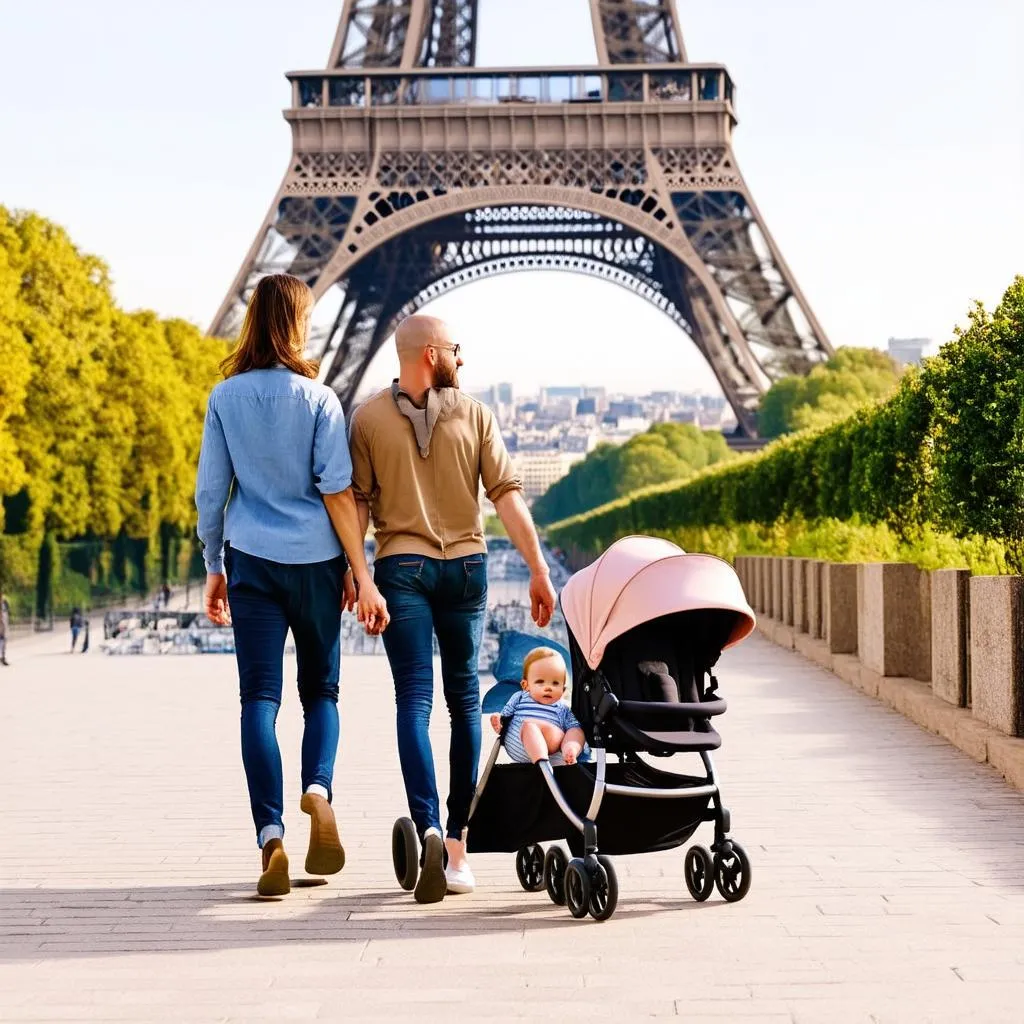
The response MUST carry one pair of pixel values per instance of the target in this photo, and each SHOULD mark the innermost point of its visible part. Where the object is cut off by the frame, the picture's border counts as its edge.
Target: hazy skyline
(884, 147)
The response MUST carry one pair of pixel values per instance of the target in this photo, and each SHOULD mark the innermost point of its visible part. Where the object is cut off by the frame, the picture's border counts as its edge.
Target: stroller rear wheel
(577, 888)
(700, 873)
(732, 873)
(405, 853)
(604, 889)
(555, 864)
(530, 867)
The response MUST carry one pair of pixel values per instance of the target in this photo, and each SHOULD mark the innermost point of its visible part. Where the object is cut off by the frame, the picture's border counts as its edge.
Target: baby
(541, 725)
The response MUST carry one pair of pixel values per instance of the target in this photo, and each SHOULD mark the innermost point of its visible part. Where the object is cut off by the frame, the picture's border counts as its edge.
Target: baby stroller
(647, 623)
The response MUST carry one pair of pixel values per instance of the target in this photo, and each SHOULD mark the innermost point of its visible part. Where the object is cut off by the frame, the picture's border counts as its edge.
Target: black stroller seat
(650, 694)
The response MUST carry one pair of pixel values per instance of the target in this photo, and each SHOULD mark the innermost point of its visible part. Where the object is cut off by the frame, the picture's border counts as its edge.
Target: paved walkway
(888, 870)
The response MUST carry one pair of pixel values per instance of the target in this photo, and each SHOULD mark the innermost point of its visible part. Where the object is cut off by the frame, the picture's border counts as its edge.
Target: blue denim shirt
(273, 443)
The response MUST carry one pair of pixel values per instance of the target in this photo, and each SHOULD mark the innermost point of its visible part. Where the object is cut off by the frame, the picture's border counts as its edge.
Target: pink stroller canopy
(642, 578)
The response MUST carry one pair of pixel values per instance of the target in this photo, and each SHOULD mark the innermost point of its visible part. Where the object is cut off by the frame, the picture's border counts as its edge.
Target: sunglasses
(454, 349)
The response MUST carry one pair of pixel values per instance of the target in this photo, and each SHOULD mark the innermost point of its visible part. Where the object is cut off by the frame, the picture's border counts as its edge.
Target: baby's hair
(539, 654)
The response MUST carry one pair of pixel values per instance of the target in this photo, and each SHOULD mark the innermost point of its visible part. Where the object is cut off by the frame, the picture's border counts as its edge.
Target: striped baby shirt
(522, 707)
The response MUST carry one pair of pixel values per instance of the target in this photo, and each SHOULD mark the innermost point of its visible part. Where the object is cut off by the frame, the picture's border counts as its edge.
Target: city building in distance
(908, 351)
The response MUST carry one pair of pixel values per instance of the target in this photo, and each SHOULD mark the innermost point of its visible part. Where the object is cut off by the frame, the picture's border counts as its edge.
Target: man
(5, 624)
(420, 450)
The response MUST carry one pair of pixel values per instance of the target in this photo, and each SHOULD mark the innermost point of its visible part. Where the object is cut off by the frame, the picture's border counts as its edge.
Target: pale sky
(883, 141)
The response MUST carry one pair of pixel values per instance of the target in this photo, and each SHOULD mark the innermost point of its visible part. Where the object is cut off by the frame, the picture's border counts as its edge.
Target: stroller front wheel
(530, 867)
(700, 873)
(604, 890)
(577, 888)
(555, 864)
(405, 853)
(732, 873)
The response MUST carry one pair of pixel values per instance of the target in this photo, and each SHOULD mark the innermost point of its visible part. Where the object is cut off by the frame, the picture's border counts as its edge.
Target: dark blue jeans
(449, 598)
(266, 600)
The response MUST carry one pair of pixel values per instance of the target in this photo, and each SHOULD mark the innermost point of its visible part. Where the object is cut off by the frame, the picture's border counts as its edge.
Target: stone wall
(945, 649)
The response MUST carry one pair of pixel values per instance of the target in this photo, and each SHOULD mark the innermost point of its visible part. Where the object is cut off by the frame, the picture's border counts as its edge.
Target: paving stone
(882, 859)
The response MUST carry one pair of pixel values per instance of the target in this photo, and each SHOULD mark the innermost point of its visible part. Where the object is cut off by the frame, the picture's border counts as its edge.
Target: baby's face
(546, 681)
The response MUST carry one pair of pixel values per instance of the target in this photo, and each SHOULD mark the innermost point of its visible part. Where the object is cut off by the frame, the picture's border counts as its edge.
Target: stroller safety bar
(639, 710)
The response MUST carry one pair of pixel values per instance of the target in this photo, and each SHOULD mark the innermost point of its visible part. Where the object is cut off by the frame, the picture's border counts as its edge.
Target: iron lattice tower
(414, 172)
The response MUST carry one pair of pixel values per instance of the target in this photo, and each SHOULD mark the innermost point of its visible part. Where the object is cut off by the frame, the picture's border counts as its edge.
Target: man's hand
(542, 598)
(215, 599)
(372, 609)
(496, 723)
(349, 594)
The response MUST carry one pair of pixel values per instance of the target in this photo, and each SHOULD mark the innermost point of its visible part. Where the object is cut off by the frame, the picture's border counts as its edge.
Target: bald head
(417, 333)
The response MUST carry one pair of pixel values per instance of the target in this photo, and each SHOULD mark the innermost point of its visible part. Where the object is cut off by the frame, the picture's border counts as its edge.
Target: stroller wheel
(700, 873)
(604, 890)
(405, 853)
(732, 873)
(577, 888)
(555, 864)
(530, 867)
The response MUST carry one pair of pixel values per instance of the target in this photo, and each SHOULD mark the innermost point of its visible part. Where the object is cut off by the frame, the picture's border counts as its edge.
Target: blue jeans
(449, 597)
(266, 600)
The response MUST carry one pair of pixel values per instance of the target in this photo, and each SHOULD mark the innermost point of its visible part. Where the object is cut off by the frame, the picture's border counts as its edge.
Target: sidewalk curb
(914, 700)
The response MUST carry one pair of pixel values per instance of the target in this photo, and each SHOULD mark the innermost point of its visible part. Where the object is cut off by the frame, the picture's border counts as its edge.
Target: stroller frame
(587, 825)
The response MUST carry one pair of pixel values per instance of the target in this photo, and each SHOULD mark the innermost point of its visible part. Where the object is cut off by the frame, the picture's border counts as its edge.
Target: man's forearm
(516, 518)
(350, 525)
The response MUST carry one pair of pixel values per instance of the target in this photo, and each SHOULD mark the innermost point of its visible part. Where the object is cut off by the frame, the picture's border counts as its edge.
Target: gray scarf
(440, 404)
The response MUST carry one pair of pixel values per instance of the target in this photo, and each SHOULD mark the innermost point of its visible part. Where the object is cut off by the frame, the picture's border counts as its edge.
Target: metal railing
(384, 88)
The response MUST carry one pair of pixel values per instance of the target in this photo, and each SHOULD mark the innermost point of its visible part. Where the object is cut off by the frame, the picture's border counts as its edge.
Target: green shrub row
(943, 457)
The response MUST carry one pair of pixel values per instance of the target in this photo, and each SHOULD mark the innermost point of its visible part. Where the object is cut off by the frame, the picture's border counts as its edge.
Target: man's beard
(446, 376)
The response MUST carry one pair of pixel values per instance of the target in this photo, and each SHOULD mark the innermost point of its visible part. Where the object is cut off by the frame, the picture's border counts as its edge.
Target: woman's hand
(215, 599)
(349, 594)
(372, 609)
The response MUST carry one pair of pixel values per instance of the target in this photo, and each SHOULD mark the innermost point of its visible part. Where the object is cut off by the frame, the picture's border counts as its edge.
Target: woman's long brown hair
(274, 330)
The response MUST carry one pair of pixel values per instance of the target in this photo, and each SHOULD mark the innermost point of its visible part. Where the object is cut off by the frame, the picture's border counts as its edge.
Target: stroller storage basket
(516, 808)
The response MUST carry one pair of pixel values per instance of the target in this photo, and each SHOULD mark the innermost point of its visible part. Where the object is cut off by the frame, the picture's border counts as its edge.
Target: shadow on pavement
(39, 924)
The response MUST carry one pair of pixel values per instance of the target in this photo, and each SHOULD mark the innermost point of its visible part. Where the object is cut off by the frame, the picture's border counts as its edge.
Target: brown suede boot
(274, 880)
(326, 855)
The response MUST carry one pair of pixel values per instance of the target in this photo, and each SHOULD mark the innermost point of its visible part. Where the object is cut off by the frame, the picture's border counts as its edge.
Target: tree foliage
(944, 454)
(851, 379)
(101, 411)
(666, 452)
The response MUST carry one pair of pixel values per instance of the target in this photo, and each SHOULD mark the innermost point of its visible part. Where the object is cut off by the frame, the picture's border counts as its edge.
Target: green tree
(851, 379)
(101, 416)
(666, 452)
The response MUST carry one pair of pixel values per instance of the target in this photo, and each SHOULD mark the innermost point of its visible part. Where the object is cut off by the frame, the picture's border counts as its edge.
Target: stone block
(839, 610)
(997, 635)
(894, 619)
(814, 650)
(1006, 755)
(776, 592)
(788, 569)
(759, 574)
(800, 566)
(951, 634)
(815, 598)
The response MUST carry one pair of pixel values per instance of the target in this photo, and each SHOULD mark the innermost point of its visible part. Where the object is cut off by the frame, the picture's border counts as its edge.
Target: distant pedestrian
(5, 623)
(76, 621)
(85, 642)
(166, 593)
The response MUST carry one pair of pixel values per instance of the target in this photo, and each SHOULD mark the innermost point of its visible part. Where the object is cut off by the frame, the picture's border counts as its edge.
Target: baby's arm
(496, 723)
(572, 745)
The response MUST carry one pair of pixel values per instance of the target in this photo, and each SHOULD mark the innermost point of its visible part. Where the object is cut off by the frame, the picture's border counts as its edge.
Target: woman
(274, 498)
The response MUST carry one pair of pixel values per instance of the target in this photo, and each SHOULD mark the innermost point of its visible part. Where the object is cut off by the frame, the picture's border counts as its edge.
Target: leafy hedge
(946, 453)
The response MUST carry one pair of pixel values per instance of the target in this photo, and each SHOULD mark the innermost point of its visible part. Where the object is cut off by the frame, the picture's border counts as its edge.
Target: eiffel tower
(414, 172)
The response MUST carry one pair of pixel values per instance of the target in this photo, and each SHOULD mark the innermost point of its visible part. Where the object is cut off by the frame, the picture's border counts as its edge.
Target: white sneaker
(459, 882)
